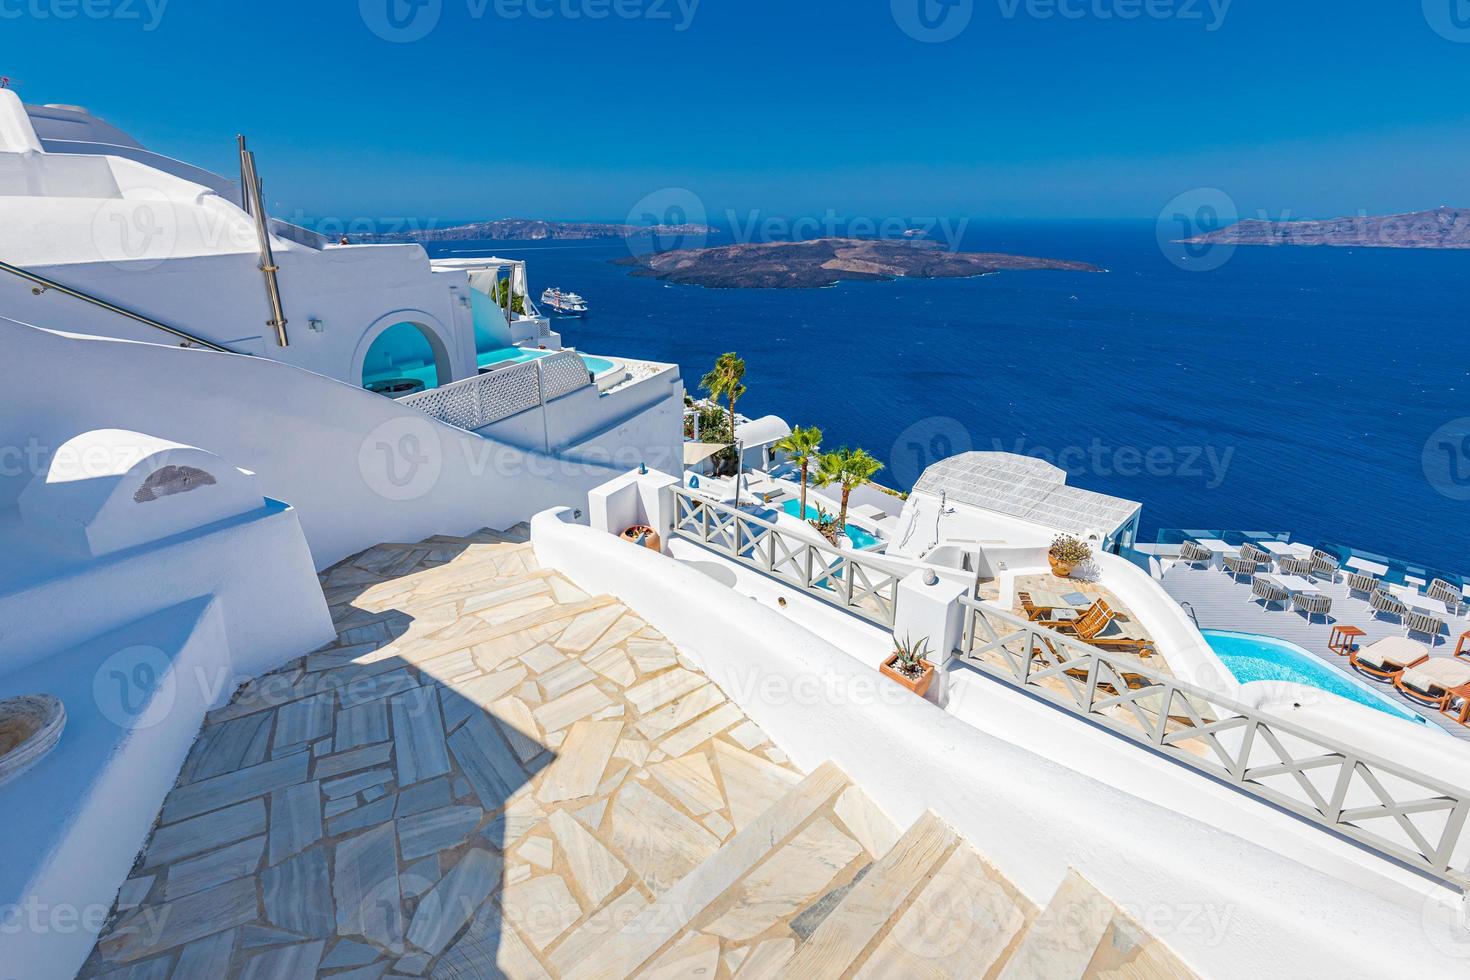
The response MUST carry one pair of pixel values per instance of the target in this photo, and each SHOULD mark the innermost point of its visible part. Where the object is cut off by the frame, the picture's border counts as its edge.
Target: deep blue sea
(1289, 389)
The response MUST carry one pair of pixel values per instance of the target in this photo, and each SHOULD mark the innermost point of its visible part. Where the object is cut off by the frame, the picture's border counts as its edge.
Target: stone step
(1065, 937)
(1127, 952)
(670, 915)
(843, 937)
(964, 923)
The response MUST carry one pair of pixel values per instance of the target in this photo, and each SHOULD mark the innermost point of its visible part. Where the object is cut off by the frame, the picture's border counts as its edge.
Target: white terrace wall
(1226, 906)
(358, 468)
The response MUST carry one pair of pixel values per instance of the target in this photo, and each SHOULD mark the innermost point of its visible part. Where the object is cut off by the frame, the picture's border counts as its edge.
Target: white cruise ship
(563, 303)
(497, 677)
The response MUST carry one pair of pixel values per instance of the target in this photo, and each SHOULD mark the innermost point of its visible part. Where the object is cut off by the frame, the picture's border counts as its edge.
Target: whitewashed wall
(358, 468)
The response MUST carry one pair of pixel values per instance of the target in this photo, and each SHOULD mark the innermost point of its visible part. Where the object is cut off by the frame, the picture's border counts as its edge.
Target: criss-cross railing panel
(1408, 816)
(859, 584)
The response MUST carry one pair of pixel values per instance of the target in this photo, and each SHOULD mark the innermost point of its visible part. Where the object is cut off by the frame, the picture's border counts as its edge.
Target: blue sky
(1310, 107)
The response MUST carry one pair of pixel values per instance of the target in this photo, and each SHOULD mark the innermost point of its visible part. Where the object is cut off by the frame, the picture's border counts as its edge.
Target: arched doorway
(404, 358)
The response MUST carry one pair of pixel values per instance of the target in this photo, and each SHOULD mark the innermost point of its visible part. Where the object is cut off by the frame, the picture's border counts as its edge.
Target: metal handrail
(250, 193)
(46, 284)
(844, 578)
(1336, 786)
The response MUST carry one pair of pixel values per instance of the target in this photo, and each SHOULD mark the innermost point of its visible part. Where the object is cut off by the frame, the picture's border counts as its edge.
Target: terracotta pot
(650, 537)
(1060, 569)
(919, 686)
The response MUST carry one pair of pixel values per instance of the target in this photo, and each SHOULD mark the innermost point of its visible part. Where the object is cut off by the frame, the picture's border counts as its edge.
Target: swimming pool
(520, 355)
(859, 538)
(1252, 657)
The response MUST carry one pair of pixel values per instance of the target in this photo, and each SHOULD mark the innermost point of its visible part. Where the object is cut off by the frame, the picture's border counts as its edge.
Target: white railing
(846, 579)
(1405, 815)
(479, 401)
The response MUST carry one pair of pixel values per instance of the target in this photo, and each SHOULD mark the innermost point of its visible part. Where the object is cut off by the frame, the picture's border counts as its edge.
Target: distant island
(529, 229)
(1444, 227)
(827, 261)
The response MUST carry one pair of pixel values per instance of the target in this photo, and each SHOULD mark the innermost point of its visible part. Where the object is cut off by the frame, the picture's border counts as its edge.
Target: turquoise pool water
(519, 355)
(1251, 657)
(858, 537)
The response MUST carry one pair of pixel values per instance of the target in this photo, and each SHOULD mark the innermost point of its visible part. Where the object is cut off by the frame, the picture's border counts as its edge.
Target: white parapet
(632, 499)
(110, 489)
(929, 609)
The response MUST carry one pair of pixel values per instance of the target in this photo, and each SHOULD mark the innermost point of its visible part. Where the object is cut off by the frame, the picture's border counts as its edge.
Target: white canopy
(762, 431)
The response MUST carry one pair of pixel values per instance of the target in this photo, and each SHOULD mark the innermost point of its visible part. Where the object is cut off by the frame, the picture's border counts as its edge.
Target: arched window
(401, 360)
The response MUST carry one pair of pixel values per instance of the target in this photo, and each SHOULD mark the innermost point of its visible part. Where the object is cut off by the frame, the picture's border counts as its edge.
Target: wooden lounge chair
(1040, 615)
(1325, 565)
(1313, 604)
(1435, 682)
(1099, 626)
(1134, 681)
(1364, 583)
(1194, 554)
(1242, 567)
(1385, 603)
(1292, 565)
(1269, 592)
(1388, 658)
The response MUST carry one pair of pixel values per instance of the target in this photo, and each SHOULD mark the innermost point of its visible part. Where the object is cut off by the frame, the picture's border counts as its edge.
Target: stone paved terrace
(488, 766)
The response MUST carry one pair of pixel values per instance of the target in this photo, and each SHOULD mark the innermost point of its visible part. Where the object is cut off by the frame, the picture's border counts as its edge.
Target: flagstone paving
(477, 745)
(492, 773)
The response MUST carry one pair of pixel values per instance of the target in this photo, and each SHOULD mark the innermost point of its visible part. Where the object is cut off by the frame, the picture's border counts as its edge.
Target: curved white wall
(358, 468)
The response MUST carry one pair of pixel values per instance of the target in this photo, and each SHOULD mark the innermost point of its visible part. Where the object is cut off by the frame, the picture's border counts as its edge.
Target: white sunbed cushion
(1392, 652)
(1442, 672)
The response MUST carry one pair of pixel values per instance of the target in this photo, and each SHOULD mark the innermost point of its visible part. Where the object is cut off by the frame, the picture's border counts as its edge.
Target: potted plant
(827, 526)
(1066, 554)
(909, 665)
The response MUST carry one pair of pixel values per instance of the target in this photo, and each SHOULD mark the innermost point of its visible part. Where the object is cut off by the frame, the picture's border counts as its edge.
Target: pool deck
(1224, 603)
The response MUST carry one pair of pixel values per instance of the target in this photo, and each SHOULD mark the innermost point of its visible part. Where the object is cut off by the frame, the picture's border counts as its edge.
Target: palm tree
(802, 447)
(725, 380)
(850, 469)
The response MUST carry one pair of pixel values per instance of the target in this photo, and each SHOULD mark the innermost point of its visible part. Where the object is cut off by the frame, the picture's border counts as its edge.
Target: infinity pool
(1251, 657)
(520, 355)
(860, 539)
